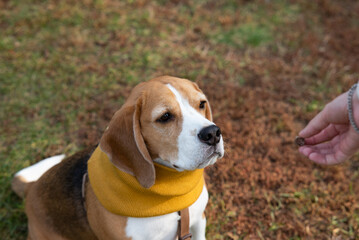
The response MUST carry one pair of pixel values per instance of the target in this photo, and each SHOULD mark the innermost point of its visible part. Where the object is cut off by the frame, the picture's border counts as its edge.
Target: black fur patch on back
(60, 192)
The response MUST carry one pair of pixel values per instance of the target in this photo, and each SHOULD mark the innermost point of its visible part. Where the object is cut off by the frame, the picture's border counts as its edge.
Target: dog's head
(165, 120)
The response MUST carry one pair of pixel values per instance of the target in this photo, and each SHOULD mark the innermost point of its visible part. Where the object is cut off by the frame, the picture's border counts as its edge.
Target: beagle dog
(147, 167)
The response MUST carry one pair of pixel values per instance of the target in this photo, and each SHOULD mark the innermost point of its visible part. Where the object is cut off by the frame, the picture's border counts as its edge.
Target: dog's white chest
(165, 226)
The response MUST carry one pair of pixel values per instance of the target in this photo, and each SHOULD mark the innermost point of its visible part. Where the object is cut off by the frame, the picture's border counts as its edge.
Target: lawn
(266, 66)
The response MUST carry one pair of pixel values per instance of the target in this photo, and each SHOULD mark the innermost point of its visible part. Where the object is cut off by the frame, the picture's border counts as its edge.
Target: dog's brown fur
(59, 188)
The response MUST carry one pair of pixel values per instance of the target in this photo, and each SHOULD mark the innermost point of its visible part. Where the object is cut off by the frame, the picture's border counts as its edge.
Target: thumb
(334, 112)
(317, 124)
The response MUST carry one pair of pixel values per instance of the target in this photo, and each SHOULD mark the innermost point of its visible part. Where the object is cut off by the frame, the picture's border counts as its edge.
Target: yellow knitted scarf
(120, 193)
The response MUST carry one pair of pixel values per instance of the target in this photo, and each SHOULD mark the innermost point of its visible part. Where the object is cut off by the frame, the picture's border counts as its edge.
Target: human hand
(329, 137)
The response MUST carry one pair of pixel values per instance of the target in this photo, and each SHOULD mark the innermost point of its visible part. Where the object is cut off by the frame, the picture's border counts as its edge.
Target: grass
(246, 35)
(66, 66)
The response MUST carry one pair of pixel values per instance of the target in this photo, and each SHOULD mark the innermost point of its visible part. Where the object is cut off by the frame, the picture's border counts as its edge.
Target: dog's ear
(124, 145)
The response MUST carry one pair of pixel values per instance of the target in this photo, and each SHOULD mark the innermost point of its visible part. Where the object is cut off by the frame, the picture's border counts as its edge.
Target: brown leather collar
(183, 225)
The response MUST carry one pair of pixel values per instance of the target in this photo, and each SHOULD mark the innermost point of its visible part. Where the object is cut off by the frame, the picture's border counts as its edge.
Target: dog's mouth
(217, 153)
(210, 160)
(214, 152)
(211, 154)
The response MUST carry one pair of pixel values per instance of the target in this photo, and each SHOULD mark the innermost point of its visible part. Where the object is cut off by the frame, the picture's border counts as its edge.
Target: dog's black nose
(210, 135)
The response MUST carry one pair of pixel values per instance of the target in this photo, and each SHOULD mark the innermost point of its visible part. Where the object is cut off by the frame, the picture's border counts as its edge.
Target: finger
(332, 152)
(326, 134)
(316, 125)
(318, 158)
(307, 151)
(323, 148)
(328, 159)
(325, 151)
(334, 112)
(319, 146)
(327, 156)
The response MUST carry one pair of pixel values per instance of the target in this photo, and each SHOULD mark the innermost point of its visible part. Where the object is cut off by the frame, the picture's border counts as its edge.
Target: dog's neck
(121, 193)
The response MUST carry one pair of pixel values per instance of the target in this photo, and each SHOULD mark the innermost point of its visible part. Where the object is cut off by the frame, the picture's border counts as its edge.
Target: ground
(267, 68)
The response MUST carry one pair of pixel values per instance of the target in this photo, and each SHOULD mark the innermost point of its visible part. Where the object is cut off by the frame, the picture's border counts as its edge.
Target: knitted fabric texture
(120, 192)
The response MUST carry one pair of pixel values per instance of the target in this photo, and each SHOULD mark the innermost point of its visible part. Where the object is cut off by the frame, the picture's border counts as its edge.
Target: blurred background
(267, 68)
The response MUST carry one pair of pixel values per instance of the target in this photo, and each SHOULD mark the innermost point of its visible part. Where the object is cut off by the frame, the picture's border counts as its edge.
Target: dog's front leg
(197, 217)
(198, 229)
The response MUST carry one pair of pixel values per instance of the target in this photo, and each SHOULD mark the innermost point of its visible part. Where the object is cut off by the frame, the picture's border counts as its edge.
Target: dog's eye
(202, 104)
(165, 117)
